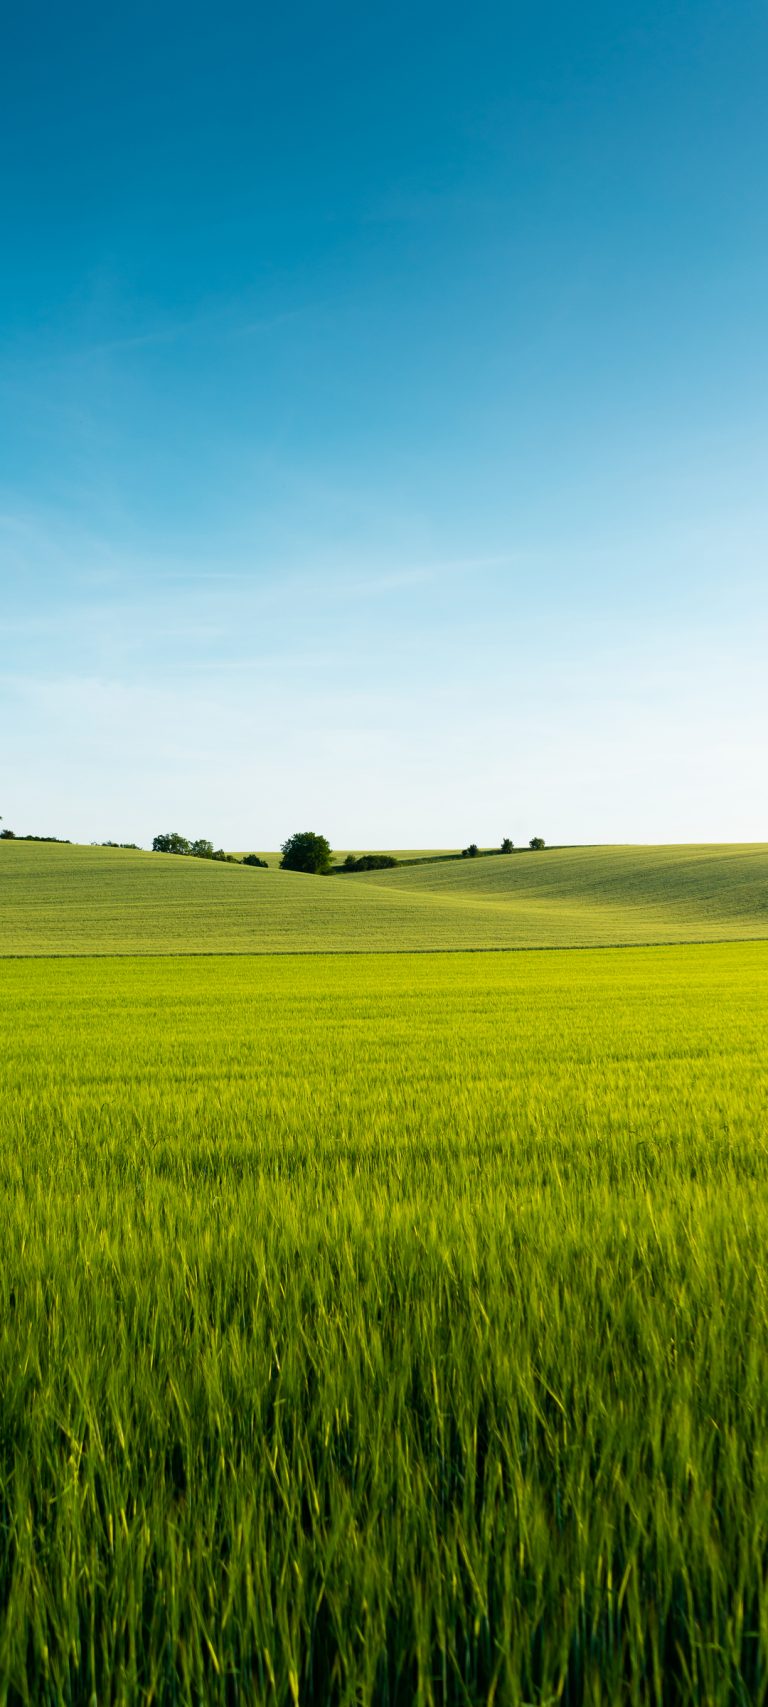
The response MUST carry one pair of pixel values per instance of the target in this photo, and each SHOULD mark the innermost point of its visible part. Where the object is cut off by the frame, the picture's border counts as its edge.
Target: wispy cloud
(341, 579)
(215, 323)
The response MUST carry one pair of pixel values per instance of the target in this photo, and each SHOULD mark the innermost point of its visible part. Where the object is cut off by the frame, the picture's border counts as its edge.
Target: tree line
(309, 852)
(507, 846)
(171, 842)
(304, 851)
(11, 836)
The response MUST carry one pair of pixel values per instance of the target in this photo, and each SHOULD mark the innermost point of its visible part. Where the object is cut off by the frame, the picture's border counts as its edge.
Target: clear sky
(384, 408)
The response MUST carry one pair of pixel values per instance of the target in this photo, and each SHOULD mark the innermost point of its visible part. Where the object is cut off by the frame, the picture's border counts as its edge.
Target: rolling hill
(698, 885)
(61, 899)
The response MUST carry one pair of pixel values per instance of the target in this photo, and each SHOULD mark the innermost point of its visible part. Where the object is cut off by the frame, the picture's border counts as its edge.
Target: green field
(62, 900)
(383, 1328)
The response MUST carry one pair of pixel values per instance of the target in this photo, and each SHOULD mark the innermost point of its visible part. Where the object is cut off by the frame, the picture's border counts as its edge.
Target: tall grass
(378, 1330)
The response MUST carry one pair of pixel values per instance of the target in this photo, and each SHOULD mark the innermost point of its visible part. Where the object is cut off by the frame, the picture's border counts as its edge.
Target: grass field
(385, 1329)
(693, 883)
(73, 900)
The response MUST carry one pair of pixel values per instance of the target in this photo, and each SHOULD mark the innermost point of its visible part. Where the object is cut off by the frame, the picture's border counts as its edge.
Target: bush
(507, 845)
(253, 859)
(537, 842)
(369, 862)
(471, 852)
(306, 852)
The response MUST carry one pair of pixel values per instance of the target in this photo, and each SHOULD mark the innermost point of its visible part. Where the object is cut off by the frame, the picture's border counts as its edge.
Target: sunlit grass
(385, 1329)
(73, 900)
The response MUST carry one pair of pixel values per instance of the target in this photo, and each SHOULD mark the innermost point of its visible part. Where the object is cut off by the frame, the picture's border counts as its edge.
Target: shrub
(253, 859)
(471, 852)
(507, 845)
(537, 842)
(369, 862)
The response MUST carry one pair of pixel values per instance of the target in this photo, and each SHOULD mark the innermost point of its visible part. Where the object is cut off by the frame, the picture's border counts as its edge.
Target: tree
(507, 845)
(171, 842)
(253, 859)
(537, 842)
(201, 849)
(306, 852)
(471, 852)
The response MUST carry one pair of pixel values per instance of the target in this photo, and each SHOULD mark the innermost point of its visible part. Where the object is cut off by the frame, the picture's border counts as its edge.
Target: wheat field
(384, 1329)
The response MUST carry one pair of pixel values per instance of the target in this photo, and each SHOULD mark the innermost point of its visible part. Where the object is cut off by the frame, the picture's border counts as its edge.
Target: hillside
(697, 885)
(79, 900)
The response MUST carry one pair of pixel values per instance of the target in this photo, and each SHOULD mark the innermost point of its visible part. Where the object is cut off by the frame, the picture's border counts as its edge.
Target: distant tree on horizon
(171, 842)
(471, 852)
(537, 842)
(507, 845)
(306, 851)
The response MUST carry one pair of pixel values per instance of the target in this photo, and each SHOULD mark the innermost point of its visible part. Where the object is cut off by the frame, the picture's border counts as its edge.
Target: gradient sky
(383, 408)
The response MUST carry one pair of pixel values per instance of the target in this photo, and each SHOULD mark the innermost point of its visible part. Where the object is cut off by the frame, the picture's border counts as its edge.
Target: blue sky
(384, 422)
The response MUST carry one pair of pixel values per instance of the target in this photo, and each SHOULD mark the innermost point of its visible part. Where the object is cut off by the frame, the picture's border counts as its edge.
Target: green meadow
(76, 900)
(382, 1328)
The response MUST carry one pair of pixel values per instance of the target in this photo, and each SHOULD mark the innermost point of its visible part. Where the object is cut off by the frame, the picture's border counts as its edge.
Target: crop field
(727, 880)
(75, 900)
(384, 1329)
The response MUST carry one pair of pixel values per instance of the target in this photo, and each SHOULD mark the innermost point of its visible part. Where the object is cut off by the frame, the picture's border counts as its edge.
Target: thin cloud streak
(211, 323)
